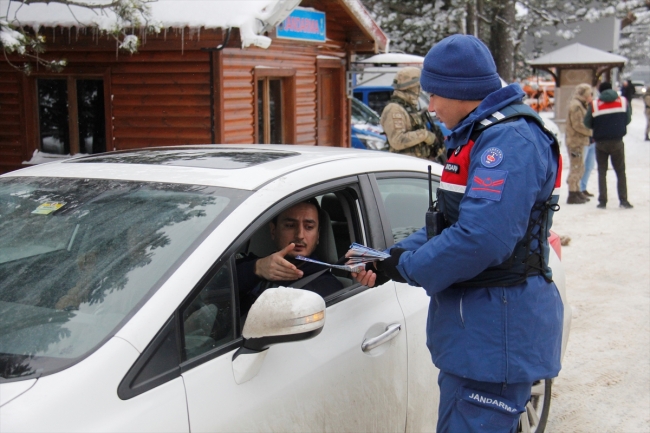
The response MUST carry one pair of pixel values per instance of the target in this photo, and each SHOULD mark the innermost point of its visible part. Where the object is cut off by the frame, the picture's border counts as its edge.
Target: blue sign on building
(303, 24)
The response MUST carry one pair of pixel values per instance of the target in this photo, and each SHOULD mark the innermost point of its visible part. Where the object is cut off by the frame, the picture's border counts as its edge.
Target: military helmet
(406, 78)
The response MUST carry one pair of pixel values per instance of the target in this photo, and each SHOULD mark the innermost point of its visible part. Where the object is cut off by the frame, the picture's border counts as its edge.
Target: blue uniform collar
(493, 102)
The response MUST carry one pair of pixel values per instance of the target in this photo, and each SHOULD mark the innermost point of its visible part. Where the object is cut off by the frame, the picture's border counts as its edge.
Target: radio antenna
(430, 192)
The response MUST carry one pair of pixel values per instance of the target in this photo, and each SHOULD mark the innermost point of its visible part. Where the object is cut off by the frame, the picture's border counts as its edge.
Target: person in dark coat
(628, 90)
(295, 232)
(608, 117)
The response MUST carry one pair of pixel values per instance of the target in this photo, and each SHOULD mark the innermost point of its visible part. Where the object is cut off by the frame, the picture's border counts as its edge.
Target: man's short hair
(605, 85)
(312, 201)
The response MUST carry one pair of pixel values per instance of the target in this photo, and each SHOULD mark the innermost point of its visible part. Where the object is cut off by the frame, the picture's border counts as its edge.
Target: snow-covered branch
(117, 18)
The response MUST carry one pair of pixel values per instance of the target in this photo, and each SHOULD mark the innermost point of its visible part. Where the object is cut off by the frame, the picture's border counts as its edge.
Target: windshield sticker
(48, 207)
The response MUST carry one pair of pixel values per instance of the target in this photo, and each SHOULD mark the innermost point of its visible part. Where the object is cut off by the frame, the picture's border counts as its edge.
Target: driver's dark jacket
(251, 286)
(492, 333)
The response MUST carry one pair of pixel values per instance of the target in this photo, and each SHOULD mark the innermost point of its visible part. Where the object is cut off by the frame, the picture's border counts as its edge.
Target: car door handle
(391, 332)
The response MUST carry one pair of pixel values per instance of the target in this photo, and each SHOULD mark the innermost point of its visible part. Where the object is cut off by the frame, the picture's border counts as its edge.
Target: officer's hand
(431, 138)
(276, 268)
(366, 278)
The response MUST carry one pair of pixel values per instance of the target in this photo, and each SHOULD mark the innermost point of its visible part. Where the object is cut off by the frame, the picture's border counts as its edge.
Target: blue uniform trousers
(468, 406)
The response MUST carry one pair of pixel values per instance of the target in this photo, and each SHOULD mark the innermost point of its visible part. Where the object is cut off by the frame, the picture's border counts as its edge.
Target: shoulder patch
(488, 184)
(492, 157)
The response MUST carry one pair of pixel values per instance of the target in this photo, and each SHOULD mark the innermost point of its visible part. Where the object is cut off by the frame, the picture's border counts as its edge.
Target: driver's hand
(276, 268)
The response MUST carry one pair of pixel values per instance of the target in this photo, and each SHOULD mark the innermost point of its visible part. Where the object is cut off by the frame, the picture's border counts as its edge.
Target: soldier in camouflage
(403, 124)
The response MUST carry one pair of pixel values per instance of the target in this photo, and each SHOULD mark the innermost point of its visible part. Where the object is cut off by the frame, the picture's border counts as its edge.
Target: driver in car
(295, 232)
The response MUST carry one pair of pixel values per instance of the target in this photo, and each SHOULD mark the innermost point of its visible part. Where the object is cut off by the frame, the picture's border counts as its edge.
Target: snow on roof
(577, 54)
(252, 17)
(363, 18)
(394, 59)
(249, 16)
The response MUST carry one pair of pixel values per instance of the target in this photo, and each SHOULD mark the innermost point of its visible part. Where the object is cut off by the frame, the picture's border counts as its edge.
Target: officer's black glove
(387, 268)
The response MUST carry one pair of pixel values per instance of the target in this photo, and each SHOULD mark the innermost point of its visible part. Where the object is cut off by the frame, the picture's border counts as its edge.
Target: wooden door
(330, 113)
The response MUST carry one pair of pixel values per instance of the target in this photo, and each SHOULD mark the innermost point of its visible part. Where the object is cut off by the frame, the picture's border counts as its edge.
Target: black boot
(583, 195)
(587, 193)
(575, 198)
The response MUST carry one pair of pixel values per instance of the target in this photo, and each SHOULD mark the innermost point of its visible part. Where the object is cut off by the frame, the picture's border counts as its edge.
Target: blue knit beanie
(460, 67)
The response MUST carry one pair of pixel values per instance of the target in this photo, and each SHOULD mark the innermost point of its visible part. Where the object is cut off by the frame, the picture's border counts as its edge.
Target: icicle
(117, 48)
(76, 34)
(182, 40)
(198, 34)
(68, 35)
(165, 34)
(53, 34)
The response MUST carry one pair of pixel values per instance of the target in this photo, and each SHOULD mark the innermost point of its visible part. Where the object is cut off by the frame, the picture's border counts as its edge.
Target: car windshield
(363, 114)
(79, 256)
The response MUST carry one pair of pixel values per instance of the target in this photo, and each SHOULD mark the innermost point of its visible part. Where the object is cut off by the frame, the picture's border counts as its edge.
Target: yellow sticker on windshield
(48, 207)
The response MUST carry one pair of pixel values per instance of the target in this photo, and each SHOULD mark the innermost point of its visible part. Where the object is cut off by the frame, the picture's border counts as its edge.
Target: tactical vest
(421, 150)
(530, 255)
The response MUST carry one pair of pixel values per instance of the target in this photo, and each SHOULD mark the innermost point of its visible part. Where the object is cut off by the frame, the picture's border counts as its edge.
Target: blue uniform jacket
(493, 334)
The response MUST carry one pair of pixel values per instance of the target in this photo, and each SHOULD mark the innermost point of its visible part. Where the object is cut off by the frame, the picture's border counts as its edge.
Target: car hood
(11, 390)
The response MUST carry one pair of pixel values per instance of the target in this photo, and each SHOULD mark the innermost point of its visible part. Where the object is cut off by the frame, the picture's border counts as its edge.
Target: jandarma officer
(495, 315)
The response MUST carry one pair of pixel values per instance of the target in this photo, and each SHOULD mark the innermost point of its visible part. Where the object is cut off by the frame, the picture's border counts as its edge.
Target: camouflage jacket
(577, 134)
(405, 129)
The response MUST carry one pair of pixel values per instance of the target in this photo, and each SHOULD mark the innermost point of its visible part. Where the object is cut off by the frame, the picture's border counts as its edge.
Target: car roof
(245, 167)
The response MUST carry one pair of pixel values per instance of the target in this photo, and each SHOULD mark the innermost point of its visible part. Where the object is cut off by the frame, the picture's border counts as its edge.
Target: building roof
(576, 55)
(252, 17)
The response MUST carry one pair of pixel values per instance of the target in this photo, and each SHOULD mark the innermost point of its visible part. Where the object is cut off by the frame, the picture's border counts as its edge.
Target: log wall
(174, 90)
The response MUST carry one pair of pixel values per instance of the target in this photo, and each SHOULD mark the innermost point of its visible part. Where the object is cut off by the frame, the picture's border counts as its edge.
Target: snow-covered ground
(604, 385)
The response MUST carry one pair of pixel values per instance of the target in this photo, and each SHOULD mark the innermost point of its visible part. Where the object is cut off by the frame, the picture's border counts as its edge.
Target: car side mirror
(279, 315)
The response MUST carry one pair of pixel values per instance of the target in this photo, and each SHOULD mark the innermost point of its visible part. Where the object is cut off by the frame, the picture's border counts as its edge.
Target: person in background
(590, 162)
(495, 315)
(403, 124)
(646, 101)
(577, 140)
(628, 90)
(608, 117)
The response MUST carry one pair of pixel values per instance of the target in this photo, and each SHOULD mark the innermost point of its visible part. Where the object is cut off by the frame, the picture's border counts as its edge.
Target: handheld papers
(358, 256)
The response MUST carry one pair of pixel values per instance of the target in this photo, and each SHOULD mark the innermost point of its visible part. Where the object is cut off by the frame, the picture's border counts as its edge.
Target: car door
(404, 200)
(327, 383)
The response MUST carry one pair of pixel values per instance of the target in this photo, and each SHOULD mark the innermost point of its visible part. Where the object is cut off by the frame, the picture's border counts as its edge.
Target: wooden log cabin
(189, 84)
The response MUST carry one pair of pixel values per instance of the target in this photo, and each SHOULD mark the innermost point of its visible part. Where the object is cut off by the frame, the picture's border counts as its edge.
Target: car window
(78, 256)
(406, 201)
(340, 226)
(208, 320)
(362, 114)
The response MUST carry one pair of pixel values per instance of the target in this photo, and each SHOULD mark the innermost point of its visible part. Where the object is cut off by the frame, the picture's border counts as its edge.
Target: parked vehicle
(367, 132)
(640, 88)
(119, 303)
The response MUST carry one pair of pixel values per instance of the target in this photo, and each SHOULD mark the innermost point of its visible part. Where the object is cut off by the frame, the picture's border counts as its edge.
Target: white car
(119, 307)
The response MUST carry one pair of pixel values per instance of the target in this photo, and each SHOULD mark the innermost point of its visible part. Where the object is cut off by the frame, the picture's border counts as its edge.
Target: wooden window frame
(287, 76)
(71, 76)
